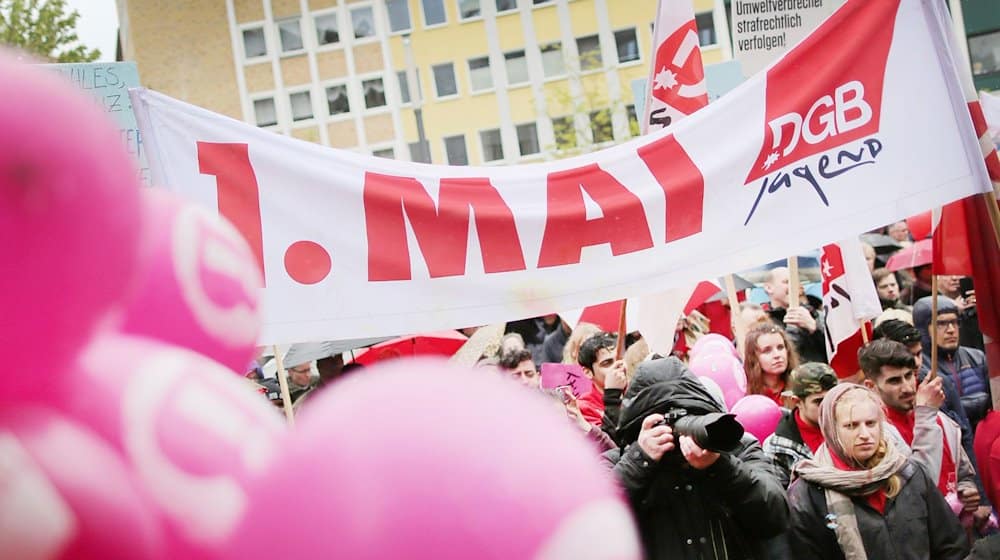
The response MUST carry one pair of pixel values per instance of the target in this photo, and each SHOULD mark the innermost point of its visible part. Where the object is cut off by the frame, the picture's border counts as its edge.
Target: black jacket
(918, 524)
(724, 511)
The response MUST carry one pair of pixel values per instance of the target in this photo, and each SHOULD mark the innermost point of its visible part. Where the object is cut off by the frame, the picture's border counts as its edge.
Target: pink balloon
(201, 287)
(758, 414)
(69, 221)
(725, 370)
(712, 343)
(193, 433)
(66, 494)
(420, 459)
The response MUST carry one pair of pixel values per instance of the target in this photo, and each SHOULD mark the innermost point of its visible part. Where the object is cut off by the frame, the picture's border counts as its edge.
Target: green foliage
(44, 29)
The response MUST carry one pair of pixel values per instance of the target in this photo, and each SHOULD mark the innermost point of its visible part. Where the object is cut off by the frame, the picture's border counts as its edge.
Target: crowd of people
(895, 460)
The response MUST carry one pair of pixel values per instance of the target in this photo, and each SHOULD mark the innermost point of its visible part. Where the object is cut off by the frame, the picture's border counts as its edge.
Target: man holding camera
(697, 486)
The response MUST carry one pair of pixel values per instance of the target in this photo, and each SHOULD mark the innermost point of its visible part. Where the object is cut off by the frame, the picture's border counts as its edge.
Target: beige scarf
(840, 485)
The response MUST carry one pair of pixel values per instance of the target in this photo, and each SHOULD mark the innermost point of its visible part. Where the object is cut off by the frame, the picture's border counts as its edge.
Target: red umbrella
(443, 343)
(920, 253)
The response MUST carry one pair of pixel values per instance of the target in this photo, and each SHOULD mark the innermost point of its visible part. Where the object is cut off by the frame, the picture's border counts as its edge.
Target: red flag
(965, 241)
(849, 300)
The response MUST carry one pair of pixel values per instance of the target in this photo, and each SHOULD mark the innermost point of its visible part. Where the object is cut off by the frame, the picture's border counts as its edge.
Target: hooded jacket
(724, 511)
(966, 367)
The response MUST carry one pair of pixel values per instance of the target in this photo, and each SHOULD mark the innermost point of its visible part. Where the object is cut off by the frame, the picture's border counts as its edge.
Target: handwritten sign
(108, 83)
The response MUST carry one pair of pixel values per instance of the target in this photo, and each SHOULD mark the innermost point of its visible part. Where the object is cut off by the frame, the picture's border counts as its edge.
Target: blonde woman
(861, 497)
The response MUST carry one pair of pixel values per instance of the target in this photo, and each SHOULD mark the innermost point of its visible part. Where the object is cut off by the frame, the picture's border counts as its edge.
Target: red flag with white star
(676, 86)
(849, 300)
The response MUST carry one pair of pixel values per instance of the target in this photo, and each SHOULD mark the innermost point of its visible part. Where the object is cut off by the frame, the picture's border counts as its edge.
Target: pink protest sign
(556, 375)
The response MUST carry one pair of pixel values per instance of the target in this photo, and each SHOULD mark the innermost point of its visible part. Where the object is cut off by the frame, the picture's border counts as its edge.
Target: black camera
(716, 431)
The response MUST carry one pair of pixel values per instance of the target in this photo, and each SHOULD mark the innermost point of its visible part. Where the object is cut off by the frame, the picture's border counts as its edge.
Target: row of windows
(516, 64)
(337, 102)
(456, 150)
(362, 25)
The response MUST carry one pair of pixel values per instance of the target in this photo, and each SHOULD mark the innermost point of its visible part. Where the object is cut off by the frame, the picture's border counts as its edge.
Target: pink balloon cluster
(713, 357)
(129, 437)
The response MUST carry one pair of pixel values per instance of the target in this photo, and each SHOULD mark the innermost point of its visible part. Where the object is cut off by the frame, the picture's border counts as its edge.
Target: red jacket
(987, 450)
(592, 406)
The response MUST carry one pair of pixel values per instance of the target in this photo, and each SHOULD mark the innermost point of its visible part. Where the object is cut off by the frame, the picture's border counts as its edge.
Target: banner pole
(286, 398)
(933, 327)
(620, 346)
(793, 282)
(864, 332)
(739, 329)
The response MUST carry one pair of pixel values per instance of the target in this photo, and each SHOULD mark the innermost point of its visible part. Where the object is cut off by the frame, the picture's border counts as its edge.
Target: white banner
(991, 111)
(839, 137)
(763, 30)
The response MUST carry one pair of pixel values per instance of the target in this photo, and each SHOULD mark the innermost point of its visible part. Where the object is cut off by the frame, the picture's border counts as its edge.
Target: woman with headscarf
(861, 497)
(768, 358)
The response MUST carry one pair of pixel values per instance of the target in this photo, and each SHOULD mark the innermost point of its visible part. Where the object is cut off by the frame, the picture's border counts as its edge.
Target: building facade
(497, 81)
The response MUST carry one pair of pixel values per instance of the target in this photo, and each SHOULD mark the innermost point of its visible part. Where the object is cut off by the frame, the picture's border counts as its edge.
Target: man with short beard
(965, 366)
(934, 438)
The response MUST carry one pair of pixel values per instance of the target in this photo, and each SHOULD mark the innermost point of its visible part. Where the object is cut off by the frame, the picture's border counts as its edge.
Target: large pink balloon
(200, 288)
(64, 493)
(712, 343)
(418, 459)
(758, 414)
(726, 370)
(193, 433)
(69, 222)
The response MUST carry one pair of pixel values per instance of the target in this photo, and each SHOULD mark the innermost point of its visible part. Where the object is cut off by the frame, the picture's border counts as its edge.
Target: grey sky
(98, 25)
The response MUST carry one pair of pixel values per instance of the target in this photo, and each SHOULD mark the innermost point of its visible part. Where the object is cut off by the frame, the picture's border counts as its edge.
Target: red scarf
(876, 499)
(904, 422)
(811, 435)
(775, 394)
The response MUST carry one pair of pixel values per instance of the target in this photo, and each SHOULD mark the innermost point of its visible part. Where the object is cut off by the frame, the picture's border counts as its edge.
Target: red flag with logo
(849, 300)
(965, 241)
(676, 86)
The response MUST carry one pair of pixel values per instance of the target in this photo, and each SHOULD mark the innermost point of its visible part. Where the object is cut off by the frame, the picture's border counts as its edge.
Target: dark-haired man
(607, 375)
(797, 435)
(934, 438)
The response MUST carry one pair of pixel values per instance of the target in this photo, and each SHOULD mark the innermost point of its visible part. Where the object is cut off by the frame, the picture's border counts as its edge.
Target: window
(706, 28)
(363, 22)
(444, 79)
(628, 46)
(420, 152)
(633, 121)
(527, 139)
(254, 44)
(454, 147)
(290, 33)
(302, 108)
(264, 112)
(327, 29)
(589, 49)
(469, 9)
(492, 145)
(399, 14)
(374, 92)
(506, 5)
(479, 73)
(600, 126)
(565, 132)
(538, 2)
(404, 85)
(984, 53)
(387, 153)
(434, 12)
(553, 63)
(336, 100)
(517, 67)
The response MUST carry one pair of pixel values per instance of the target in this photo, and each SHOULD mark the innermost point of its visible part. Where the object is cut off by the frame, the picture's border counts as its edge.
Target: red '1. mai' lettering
(238, 196)
(442, 233)
(682, 183)
(567, 229)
